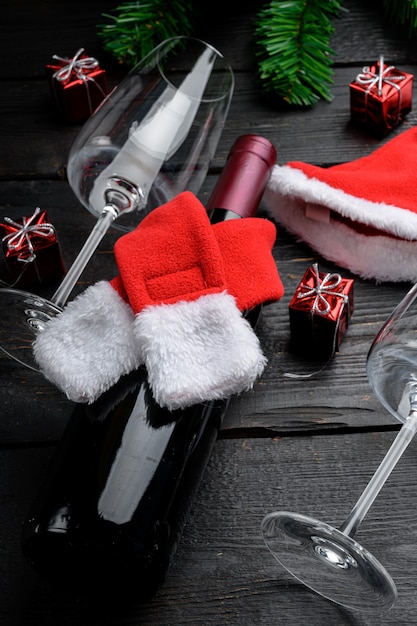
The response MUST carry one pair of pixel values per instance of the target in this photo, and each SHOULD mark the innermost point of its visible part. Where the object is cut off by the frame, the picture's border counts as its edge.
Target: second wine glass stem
(102, 225)
(398, 447)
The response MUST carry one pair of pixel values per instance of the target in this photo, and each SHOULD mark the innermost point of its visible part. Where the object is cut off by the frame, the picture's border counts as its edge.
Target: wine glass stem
(399, 445)
(102, 225)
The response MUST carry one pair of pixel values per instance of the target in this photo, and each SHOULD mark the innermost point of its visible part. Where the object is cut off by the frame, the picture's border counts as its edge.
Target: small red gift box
(380, 97)
(78, 85)
(320, 310)
(32, 254)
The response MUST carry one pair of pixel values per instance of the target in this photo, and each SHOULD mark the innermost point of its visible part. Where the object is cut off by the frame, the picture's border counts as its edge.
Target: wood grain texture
(222, 572)
(309, 446)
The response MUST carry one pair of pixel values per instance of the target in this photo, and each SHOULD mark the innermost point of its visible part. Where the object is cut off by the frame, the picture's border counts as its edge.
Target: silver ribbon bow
(322, 288)
(15, 240)
(371, 78)
(77, 65)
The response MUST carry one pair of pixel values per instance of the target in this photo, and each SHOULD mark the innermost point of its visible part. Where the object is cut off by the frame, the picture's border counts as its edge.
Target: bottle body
(116, 497)
(119, 488)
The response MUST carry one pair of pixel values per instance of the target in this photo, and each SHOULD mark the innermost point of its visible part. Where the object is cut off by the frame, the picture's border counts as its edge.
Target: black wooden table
(308, 446)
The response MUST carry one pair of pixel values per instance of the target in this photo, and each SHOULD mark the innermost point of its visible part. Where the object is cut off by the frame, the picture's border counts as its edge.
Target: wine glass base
(23, 315)
(329, 562)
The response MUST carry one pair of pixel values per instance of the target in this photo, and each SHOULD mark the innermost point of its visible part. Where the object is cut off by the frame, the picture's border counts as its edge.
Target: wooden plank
(222, 573)
(43, 31)
(36, 144)
(75, 26)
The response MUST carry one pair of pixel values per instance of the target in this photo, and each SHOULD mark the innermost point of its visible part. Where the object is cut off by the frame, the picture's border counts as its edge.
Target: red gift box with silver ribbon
(320, 310)
(31, 250)
(78, 85)
(380, 97)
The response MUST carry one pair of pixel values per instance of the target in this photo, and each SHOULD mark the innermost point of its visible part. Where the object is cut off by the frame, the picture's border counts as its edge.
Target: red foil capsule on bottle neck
(242, 183)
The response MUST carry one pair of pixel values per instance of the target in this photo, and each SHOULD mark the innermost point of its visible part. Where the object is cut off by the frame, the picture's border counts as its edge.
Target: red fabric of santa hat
(361, 215)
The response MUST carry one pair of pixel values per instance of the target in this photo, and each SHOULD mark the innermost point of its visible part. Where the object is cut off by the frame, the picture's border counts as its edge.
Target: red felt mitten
(251, 272)
(194, 341)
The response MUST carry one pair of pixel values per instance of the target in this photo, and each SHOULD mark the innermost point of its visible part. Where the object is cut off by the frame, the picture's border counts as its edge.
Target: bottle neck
(241, 185)
(222, 215)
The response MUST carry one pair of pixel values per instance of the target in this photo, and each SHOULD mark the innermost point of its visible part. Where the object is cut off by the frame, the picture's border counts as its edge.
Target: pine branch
(137, 27)
(294, 57)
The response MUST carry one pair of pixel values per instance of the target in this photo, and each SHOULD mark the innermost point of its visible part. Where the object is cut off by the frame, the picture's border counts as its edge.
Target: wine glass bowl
(392, 360)
(326, 559)
(151, 138)
(162, 123)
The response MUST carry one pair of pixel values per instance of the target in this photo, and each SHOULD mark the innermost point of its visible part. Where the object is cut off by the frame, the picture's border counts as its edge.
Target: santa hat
(361, 215)
(175, 306)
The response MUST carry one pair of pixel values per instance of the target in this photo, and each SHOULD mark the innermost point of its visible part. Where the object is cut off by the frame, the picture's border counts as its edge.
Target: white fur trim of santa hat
(361, 215)
(198, 350)
(85, 349)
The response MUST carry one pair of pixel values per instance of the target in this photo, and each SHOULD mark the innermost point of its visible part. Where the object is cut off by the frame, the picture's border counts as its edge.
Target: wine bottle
(116, 496)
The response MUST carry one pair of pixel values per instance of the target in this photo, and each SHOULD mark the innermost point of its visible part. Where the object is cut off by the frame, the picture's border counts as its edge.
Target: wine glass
(328, 560)
(152, 137)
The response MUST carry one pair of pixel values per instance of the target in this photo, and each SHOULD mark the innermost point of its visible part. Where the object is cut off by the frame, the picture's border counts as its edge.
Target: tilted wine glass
(152, 137)
(328, 560)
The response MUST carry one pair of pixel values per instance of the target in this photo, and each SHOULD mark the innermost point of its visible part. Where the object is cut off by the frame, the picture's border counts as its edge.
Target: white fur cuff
(198, 351)
(293, 184)
(85, 349)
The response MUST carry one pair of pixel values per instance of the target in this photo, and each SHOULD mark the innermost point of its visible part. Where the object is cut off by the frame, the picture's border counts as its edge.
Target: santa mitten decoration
(91, 344)
(193, 339)
(361, 215)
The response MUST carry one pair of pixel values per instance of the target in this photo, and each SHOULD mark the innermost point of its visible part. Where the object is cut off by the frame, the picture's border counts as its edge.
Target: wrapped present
(78, 85)
(380, 97)
(320, 310)
(32, 255)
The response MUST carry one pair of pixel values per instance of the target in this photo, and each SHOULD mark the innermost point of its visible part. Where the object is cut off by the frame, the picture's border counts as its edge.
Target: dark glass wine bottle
(115, 499)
